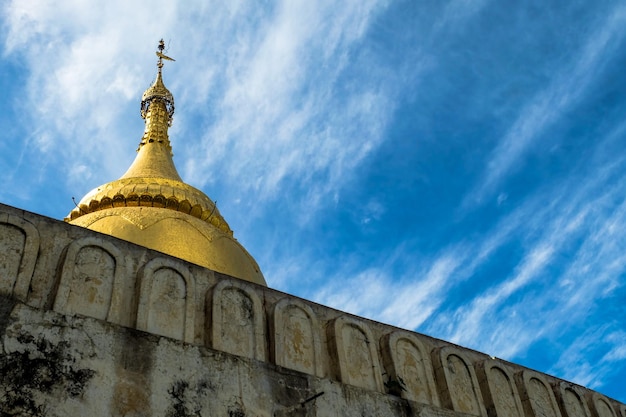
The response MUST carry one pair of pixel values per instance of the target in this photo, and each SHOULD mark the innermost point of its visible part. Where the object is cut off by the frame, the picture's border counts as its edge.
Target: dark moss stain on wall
(43, 367)
(187, 399)
(6, 307)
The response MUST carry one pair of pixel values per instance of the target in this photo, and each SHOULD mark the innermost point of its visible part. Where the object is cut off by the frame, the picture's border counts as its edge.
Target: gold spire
(150, 205)
(157, 109)
(160, 118)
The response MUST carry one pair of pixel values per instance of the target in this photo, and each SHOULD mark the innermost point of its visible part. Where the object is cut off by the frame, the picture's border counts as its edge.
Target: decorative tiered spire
(157, 108)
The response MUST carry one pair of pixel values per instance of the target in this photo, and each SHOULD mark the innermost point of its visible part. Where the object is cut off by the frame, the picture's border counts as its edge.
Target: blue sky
(455, 167)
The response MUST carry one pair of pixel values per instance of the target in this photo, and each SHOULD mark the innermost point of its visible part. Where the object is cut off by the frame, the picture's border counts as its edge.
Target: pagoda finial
(157, 106)
(157, 91)
(162, 56)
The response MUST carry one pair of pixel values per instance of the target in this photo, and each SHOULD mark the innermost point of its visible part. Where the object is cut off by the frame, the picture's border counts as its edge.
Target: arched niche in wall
(600, 405)
(237, 320)
(295, 337)
(458, 385)
(354, 354)
(166, 299)
(537, 398)
(89, 280)
(500, 393)
(19, 247)
(407, 363)
(572, 400)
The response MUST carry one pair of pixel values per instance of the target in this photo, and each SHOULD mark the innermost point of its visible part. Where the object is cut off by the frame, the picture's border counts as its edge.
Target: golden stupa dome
(150, 205)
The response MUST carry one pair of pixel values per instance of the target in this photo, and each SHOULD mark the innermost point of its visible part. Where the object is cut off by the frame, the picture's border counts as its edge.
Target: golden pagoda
(150, 205)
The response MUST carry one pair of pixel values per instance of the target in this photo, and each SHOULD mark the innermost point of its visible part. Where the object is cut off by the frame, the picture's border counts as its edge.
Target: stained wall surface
(92, 325)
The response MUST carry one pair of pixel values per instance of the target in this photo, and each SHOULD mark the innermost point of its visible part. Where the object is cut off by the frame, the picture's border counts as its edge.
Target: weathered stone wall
(264, 351)
(59, 365)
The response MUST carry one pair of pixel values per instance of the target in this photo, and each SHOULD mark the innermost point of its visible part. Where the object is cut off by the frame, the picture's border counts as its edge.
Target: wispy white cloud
(405, 301)
(593, 361)
(569, 84)
(280, 115)
(600, 259)
(577, 226)
(414, 302)
(458, 11)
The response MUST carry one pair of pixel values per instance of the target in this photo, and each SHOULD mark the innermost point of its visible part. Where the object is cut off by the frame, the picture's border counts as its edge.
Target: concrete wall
(206, 329)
